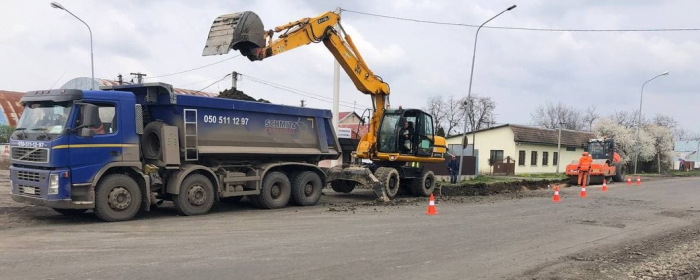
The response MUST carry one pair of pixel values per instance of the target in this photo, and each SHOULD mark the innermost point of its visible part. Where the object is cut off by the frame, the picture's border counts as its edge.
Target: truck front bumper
(60, 203)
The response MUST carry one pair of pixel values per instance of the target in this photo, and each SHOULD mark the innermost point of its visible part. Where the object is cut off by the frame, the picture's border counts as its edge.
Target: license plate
(28, 190)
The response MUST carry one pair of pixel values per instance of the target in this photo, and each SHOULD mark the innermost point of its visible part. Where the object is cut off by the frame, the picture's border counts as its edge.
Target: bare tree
(436, 107)
(665, 121)
(589, 116)
(454, 115)
(551, 115)
(626, 118)
(480, 114)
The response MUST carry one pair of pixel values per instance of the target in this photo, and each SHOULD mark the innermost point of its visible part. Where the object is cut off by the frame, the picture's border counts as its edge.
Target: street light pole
(92, 64)
(469, 95)
(639, 119)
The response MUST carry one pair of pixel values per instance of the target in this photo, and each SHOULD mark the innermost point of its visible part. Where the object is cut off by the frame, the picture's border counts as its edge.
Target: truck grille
(29, 176)
(22, 188)
(40, 155)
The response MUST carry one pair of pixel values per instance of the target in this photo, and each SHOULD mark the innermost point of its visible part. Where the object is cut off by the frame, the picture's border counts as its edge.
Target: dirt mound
(483, 189)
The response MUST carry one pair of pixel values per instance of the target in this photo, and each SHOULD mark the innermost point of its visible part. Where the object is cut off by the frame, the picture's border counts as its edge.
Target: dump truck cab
(63, 140)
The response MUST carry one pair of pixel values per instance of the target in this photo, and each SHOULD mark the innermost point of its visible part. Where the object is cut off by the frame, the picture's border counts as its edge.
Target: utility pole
(234, 80)
(139, 77)
(559, 147)
(302, 103)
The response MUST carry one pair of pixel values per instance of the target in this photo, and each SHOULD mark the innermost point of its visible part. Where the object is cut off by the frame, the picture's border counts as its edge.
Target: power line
(193, 69)
(219, 80)
(301, 92)
(521, 28)
(296, 91)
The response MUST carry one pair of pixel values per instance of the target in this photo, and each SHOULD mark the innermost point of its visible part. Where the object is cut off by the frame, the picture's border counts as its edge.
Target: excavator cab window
(406, 132)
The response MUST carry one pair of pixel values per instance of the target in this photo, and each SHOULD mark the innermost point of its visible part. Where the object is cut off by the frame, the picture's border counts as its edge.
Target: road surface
(613, 235)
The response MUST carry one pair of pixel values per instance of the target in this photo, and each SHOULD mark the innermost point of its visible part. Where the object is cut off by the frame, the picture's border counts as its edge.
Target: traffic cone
(583, 191)
(605, 186)
(431, 206)
(629, 180)
(639, 181)
(556, 194)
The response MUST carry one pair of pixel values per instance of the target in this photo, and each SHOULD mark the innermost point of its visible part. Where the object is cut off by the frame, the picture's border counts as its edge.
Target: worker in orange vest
(584, 166)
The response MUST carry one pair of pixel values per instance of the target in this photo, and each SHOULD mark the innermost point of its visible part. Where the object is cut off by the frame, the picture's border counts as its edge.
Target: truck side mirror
(86, 132)
(90, 116)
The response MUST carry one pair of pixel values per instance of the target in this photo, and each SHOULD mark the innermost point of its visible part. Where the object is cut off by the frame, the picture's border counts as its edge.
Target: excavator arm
(244, 32)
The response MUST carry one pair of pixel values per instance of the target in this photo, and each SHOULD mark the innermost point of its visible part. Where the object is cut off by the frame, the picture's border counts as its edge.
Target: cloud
(518, 69)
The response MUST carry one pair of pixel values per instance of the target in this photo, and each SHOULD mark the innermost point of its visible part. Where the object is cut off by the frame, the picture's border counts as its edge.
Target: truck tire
(196, 195)
(275, 191)
(70, 212)
(424, 185)
(342, 186)
(389, 178)
(150, 140)
(117, 198)
(620, 173)
(306, 188)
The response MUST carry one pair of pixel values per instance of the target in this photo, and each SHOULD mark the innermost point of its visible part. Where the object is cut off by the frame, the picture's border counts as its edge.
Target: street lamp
(92, 64)
(469, 95)
(639, 120)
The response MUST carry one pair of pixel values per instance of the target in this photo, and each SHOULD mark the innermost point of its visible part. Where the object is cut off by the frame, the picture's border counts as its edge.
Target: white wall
(503, 139)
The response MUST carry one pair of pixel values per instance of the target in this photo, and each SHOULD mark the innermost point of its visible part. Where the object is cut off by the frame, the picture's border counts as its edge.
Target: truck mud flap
(361, 175)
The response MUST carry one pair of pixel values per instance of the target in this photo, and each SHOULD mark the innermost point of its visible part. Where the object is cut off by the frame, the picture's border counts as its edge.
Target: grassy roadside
(488, 179)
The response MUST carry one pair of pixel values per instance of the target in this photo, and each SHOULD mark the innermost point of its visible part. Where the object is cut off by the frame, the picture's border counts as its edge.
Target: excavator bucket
(240, 31)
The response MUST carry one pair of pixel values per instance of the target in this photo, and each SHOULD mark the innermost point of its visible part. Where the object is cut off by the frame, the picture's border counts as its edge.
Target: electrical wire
(521, 28)
(219, 80)
(193, 69)
(302, 93)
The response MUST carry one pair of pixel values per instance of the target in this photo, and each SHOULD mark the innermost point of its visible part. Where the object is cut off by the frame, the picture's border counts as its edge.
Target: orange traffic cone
(629, 180)
(431, 206)
(556, 194)
(583, 191)
(639, 181)
(605, 186)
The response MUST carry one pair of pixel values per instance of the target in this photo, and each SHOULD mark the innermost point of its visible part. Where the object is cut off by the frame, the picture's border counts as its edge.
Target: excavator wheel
(389, 178)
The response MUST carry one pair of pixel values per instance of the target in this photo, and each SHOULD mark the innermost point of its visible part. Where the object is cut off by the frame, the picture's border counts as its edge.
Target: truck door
(89, 154)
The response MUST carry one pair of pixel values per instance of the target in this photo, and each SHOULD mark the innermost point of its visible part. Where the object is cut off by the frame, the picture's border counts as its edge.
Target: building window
(533, 158)
(521, 158)
(555, 158)
(496, 156)
(570, 149)
(545, 158)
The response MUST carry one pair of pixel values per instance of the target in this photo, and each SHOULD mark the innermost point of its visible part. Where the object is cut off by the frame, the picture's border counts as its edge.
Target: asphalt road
(498, 237)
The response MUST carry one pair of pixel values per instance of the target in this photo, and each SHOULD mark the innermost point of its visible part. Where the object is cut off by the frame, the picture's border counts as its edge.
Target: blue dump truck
(124, 148)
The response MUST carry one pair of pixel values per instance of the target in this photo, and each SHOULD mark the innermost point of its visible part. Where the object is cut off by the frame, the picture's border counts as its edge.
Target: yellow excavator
(398, 139)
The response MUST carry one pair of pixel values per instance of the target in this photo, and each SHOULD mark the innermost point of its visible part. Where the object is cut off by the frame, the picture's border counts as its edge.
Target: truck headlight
(53, 184)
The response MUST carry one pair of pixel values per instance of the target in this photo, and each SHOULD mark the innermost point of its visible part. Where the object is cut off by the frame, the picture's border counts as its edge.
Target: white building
(533, 149)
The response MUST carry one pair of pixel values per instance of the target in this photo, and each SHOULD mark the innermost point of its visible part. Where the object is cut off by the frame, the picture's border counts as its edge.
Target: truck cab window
(107, 123)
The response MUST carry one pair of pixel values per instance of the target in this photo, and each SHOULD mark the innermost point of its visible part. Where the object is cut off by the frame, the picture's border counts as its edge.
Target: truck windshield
(45, 117)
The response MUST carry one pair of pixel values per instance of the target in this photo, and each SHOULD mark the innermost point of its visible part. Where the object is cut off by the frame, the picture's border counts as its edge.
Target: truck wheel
(70, 212)
(424, 185)
(306, 188)
(342, 186)
(117, 198)
(275, 191)
(620, 173)
(150, 141)
(389, 178)
(196, 196)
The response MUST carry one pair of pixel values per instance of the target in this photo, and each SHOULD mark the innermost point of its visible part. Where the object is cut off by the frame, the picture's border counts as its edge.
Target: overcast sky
(40, 46)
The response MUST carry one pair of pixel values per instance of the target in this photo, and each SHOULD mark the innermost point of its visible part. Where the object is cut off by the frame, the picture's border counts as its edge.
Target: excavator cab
(407, 132)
